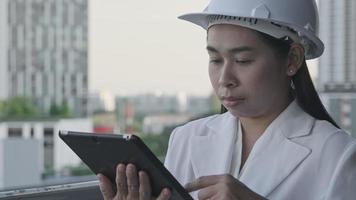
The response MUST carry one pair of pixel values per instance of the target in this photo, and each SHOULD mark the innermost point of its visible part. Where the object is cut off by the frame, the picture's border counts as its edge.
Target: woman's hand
(130, 184)
(224, 187)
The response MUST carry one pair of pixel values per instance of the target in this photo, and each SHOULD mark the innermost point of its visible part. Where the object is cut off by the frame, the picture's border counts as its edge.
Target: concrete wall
(20, 162)
(60, 156)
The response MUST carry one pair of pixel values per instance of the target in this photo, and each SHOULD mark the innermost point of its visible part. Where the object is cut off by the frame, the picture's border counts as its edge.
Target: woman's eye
(243, 61)
(215, 61)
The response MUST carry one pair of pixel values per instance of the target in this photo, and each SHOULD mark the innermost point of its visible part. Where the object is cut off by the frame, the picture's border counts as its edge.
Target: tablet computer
(103, 152)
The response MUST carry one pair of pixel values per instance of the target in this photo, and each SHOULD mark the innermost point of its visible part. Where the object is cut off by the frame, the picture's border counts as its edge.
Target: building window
(48, 144)
(32, 133)
(15, 132)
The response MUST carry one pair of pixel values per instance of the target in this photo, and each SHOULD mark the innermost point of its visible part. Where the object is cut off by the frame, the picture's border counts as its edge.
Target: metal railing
(88, 190)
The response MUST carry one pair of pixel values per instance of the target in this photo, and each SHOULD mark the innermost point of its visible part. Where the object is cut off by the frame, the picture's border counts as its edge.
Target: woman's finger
(121, 183)
(208, 192)
(106, 187)
(145, 186)
(202, 182)
(165, 194)
(132, 182)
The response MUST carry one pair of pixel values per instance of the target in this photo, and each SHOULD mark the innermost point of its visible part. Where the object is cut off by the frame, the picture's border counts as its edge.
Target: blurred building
(337, 69)
(102, 101)
(105, 122)
(37, 143)
(337, 66)
(96, 104)
(197, 105)
(135, 108)
(138, 107)
(151, 103)
(44, 52)
(155, 124)
(156, 104)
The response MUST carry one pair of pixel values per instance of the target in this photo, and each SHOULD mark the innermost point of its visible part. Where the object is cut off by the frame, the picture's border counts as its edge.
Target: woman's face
(247, 75)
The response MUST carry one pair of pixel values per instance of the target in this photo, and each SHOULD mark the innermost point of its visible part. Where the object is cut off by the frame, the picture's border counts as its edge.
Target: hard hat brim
(201, 19)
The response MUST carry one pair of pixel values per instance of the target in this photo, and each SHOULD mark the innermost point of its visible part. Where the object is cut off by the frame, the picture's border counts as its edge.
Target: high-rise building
(337, 66)
(3, 51)
(44, 52)
(337, 69)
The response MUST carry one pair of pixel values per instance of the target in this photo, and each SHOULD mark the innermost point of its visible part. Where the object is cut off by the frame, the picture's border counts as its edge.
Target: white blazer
(296, 158)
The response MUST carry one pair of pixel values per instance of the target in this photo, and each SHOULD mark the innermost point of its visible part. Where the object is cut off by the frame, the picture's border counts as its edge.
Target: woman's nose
(227, 76)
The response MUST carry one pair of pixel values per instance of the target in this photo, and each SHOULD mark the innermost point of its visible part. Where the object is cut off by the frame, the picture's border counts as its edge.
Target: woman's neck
(255, 126)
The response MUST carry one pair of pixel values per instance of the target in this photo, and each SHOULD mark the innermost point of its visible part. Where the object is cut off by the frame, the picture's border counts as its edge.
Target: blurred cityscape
(44, 89)
(337, 67)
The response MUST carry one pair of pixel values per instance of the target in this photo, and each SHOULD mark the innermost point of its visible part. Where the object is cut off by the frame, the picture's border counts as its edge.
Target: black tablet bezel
(103, 152)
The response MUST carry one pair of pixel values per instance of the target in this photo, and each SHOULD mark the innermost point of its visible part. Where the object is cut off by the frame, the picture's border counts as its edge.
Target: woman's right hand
(130, 184)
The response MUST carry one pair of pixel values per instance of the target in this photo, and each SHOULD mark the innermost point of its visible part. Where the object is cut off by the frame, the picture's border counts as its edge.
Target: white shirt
(297, 157)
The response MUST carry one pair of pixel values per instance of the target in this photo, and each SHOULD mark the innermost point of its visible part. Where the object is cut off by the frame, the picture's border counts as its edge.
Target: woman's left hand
(221, 187)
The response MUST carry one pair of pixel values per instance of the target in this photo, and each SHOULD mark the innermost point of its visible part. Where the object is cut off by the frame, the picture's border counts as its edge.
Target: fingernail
(99, 176)
(141, 173)
(121, 167)
(132, 166)
(166, 191)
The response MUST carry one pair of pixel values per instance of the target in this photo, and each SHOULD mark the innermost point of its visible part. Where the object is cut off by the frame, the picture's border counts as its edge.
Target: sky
(139, 46)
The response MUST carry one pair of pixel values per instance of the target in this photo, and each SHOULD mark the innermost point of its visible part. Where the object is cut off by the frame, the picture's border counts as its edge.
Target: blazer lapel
(212, 150)
(275, 155)
(267, 170)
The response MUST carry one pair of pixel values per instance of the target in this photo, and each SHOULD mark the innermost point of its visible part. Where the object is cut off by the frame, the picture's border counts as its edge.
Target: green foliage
(158, 143)
(80, 170)
(137, 126)
(215, 104)
(48, 172)
(22, 107)
(18, 107)
(60, 111)
(2, 108)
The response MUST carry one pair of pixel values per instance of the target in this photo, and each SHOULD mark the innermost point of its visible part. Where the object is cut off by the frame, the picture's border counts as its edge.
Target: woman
(276, 141)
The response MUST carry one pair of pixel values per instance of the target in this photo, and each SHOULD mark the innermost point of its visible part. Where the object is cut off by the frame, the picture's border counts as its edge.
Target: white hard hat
(297, 19)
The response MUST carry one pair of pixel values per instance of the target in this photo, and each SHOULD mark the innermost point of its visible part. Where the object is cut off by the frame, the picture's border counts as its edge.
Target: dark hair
(304, 91)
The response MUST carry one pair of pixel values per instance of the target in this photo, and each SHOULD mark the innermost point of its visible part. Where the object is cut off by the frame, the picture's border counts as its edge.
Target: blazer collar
(211, 148)
(273, 157)
(294, 122)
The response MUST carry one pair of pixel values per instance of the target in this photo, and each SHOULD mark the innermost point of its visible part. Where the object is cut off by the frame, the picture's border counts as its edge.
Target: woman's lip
(232, 98)
(231, 101)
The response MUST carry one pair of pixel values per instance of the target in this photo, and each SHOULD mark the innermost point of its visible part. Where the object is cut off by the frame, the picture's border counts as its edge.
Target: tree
(53, 110)
(60, 111)
(2, 108)
(158, 143)
(18, 107)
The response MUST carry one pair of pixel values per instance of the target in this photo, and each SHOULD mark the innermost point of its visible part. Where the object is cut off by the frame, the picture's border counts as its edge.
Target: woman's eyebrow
(233, 50)
(211, 49)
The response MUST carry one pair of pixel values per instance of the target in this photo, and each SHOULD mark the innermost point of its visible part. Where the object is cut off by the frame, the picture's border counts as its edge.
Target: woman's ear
(295, 58)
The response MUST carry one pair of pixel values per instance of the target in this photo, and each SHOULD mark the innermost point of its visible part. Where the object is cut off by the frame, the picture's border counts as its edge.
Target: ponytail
(307, 97)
